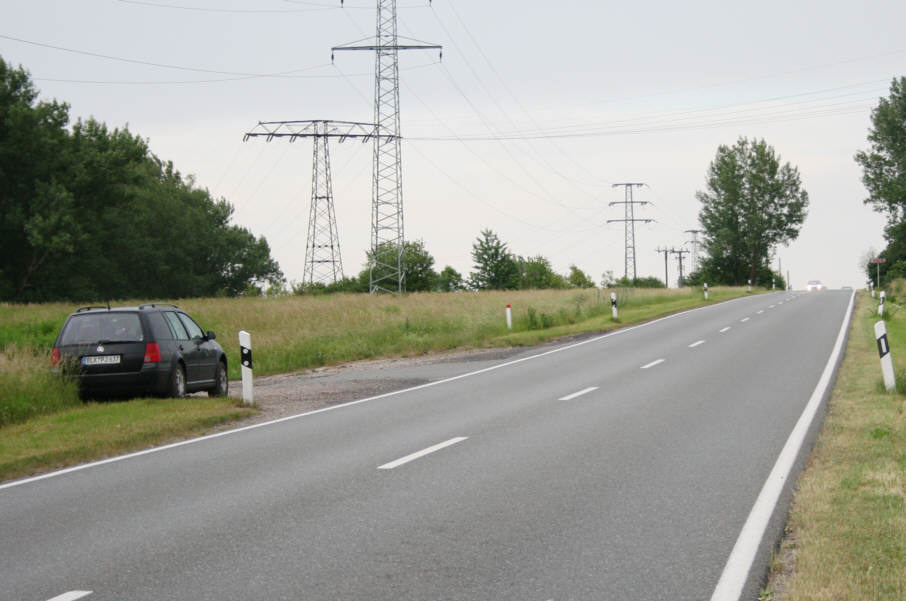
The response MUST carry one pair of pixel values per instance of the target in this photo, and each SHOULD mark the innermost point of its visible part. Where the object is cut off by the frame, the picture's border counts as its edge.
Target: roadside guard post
(245, 356)
(509, 318)
(750, 285)
(881, 304)
(706, 290)
(890, 382)
(613, 304)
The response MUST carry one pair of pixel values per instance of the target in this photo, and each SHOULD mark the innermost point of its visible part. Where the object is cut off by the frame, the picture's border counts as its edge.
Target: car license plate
(101, 360)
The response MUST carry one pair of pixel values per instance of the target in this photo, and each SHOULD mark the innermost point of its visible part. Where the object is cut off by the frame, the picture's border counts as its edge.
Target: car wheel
(222, 382)
(178, 383)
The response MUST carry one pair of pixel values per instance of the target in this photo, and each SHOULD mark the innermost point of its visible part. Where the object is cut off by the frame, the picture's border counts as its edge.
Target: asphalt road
(623, 467)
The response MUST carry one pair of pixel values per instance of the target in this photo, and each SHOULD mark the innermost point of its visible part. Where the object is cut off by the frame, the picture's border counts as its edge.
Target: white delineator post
(613, 304)
(706, 290)
(881, 304)
(750, 285)
(509, 318)
(890, 382)
(245, 356)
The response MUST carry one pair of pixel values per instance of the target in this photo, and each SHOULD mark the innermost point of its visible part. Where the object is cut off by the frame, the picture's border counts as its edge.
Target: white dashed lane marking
(575, 395)
(422, 453)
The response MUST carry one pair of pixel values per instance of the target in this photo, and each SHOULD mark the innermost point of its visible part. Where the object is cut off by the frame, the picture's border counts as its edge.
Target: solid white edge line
(696, 343)
(71, 596)
(84, 466)
(422, 453)
(575, 395)
(653, 363)
(736, 571)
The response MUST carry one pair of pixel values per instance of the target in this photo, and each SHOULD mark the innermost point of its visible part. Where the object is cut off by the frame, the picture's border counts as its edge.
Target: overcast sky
(534, 111)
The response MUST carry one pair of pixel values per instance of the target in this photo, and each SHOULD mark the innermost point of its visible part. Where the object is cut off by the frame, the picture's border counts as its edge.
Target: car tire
(178, 382)
(221, 381)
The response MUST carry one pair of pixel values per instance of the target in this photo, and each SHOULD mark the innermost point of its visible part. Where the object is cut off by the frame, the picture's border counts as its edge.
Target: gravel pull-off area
(299, 392)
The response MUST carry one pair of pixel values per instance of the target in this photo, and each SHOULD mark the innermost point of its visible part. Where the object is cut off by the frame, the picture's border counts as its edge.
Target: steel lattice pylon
(387, 227)
(323, 262)
(629, 226)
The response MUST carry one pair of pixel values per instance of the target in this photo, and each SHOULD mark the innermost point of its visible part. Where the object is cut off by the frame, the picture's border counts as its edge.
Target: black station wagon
(131, 351)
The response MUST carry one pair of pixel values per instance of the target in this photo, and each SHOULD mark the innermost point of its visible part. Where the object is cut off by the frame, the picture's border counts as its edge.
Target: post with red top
(245, 357)
(509, 318)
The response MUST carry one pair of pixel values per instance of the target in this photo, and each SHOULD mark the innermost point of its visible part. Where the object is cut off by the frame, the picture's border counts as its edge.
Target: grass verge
(98, 430)
(847, 527)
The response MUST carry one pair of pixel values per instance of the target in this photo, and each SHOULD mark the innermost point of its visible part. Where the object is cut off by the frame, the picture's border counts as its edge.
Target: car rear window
(112, 327)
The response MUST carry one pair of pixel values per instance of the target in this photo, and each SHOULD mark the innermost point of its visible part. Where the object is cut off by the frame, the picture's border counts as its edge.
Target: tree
(495, 266)
(579, 279)
(537, 273)
(418, 272)
(884, 165)
(89, 213)
(751, 204)
(449, 280)
(884, 176)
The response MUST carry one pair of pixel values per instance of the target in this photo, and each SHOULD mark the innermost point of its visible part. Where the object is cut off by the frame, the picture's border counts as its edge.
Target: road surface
(621, 467)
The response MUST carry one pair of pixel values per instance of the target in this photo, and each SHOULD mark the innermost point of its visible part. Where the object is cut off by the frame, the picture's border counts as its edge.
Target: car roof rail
(155, 305)
(92, 308)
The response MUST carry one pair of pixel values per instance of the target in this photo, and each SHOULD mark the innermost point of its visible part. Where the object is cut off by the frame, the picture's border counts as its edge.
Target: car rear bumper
(151, 379)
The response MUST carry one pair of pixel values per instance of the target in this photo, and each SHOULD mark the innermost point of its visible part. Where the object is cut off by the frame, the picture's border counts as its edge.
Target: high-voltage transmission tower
(679, 259)
(696, 245)
(387, 232)
(323, 263)
(629, 222)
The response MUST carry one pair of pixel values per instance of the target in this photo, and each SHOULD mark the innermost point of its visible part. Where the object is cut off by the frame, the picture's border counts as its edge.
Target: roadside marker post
(613, 304)
(890, 382)
(750, 285)
(509, 318)
(706, 290)
(881, 304)
(245, 356)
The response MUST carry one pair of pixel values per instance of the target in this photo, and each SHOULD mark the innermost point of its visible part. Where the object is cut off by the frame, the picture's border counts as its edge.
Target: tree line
(89, 213)
(495, 268)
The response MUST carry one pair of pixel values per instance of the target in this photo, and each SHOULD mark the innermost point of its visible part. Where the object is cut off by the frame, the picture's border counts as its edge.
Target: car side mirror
(211, 335)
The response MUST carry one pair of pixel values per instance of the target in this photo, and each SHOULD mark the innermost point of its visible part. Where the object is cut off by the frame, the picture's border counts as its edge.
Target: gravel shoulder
(298, 392)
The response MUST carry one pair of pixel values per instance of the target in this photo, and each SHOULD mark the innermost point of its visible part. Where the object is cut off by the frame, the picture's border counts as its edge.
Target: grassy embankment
(43, 424)
(847, 528)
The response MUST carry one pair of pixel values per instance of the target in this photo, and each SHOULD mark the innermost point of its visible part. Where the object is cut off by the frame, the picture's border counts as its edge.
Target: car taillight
(55, 357)
(152, 353)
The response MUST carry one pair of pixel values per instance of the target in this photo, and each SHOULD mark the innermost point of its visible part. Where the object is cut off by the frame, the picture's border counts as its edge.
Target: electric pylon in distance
(323, 262)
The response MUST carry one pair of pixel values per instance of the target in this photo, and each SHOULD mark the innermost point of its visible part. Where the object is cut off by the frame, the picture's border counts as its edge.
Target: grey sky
(534, 111)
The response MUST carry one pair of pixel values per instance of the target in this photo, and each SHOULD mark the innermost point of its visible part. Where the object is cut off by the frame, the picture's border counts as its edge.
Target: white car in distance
(814, 285)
